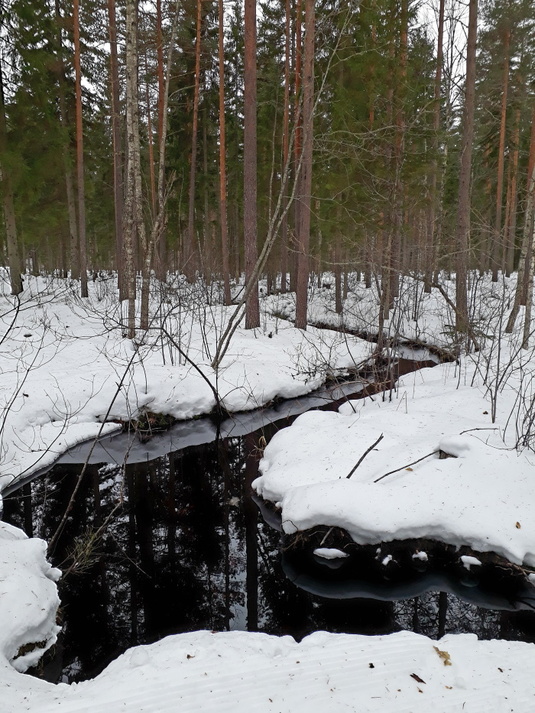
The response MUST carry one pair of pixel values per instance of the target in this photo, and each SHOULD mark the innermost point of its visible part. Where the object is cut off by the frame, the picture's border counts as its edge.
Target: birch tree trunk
(160, 249)
(67, 167)
(223, 158)
(116, 140)
(130, 226)
(285, 146)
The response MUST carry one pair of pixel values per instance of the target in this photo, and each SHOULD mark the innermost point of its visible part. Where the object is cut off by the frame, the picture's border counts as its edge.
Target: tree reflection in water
(181, 547)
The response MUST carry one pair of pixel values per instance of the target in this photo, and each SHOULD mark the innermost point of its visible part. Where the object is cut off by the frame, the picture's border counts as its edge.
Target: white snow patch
(469, 561)
(330, 553)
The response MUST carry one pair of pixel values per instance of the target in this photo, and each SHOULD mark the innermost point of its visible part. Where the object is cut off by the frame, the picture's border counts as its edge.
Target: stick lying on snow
(364, 456)
(406, 466)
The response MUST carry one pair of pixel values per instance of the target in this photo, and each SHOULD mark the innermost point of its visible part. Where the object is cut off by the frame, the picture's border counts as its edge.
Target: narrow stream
(176, 543)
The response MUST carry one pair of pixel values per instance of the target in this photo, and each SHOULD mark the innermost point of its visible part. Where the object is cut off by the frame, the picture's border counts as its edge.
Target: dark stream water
(176, 543)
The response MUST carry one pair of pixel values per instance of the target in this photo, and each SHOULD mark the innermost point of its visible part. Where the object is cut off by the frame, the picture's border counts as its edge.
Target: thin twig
(408, 465)
(364, 456)
(478, 429)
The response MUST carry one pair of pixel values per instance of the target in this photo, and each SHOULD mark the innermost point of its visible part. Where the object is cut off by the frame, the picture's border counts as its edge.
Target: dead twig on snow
(408, 465)
(364, 456)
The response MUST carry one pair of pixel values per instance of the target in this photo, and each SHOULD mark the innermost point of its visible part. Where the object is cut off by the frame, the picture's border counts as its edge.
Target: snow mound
(28, 599)
(239, 672)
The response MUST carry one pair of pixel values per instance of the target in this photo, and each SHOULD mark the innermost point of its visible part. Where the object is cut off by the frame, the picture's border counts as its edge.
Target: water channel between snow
(164, 538)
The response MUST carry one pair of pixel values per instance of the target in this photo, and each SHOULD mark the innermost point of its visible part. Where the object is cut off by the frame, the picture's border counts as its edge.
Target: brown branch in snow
(364, 456)
(407, 466)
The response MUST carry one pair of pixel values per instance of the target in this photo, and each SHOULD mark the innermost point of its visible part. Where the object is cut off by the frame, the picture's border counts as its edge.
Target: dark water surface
(177, 544)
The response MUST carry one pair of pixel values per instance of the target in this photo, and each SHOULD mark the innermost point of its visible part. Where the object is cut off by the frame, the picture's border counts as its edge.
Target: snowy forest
(281, 141)
(267, 348)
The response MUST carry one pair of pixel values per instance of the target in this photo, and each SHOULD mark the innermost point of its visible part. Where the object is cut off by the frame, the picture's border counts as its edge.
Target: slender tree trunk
(434, 207)
(531, 166)
(117, 150)
(223, 159)
(386, 256)
(159, 218)
(285, 146)
(160, 71)
(463, 206)
(252, 316)
(161, 245)
(530, 273)
(130, 228)
(69, 179)
(525, 262)
(150, 144)
(525, 249)
(513, 198)
(12, 244)
(298, 131)
(80, 151)
(189, 248)
(304, 176)
(399, 147)
(497, 244)
(338, 303)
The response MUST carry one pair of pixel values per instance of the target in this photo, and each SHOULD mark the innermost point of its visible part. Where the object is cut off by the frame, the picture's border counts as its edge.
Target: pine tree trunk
(304, 178)
(13, 249)
(431, 246)
(463, 206)
(298, 132)
(513, 198)
(525, 248)
(497, 245)
(252, 315)
(525, 262)
(530, 271)
(399, 148)
(80, 152)
(189, 248)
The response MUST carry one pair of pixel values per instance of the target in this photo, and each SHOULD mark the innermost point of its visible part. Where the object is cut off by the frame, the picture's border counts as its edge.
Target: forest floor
(67, 374)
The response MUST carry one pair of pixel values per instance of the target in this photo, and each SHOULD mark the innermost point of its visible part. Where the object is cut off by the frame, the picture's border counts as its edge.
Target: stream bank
(173, 543)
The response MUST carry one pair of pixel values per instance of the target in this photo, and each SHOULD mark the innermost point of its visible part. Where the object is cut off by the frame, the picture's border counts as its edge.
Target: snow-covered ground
(67, 374)
(482, 496)
(238, 672)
